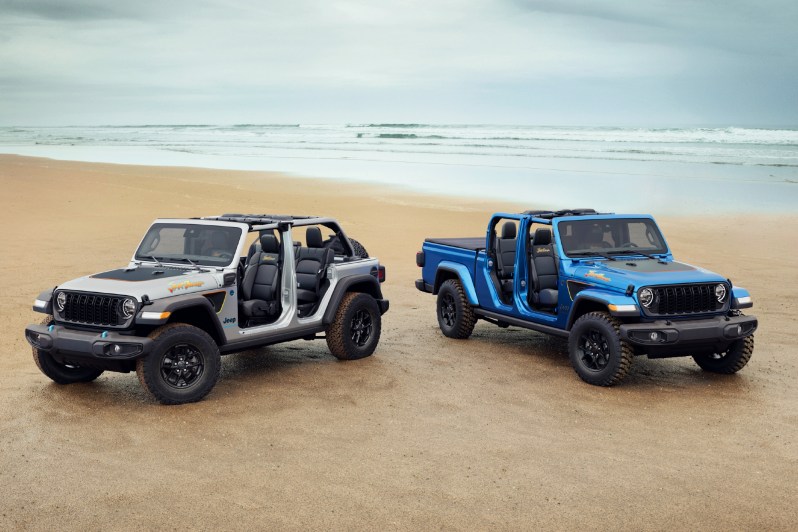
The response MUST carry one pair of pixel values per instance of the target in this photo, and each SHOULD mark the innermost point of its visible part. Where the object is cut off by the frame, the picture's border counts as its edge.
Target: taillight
(420, 259)
(379, 273)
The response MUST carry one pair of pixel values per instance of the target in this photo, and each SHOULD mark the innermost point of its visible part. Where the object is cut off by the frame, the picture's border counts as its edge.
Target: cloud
(148, 53)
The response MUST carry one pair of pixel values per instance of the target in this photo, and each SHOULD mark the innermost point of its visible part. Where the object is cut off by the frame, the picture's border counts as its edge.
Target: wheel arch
(193, 309)
(583, 305)
(450, 270)
(365, 284)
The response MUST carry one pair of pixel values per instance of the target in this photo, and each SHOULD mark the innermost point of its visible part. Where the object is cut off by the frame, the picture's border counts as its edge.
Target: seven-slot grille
(93, 309)
(685, 299)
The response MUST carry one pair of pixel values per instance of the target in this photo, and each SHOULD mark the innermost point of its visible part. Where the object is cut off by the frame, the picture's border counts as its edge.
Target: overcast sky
(560, 62)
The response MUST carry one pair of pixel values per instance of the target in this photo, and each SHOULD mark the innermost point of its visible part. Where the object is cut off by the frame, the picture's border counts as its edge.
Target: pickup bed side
(449, 258)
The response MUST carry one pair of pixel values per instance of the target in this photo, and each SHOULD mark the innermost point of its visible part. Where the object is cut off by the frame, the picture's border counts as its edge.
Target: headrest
(508, 230)
(269, 244)
(313, 236)
(542, 236)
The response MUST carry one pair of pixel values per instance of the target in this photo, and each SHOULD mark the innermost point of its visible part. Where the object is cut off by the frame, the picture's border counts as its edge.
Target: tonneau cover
(473, 243)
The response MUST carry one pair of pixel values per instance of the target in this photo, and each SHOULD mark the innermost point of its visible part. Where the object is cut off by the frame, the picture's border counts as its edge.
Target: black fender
(196, 302)
(365, 283)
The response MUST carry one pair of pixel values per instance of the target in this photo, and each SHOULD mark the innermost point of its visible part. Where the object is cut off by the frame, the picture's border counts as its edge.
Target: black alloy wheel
(361, 327)
(594, 350)
(448, 310)
(182, 366)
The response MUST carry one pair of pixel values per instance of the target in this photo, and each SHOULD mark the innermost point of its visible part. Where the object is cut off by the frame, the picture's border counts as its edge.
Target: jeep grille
(92, 309)
(685, 299)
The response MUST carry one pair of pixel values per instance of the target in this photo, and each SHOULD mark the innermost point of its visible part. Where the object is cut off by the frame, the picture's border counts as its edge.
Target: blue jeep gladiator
(607, 282)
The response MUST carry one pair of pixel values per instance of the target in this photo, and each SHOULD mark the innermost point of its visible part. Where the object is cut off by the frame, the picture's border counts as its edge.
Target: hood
(642, 272)
(156, 283)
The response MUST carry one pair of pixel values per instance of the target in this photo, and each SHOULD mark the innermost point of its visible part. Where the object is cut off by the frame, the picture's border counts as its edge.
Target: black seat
(260, 287)
(311, 265)
(505, 257)
(543, 270)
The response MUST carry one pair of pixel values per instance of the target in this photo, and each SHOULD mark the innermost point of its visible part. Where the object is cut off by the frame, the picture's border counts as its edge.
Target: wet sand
(429, 433)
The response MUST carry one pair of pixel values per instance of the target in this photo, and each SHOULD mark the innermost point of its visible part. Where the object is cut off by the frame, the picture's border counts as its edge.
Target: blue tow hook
(104, 334)
(50, 328)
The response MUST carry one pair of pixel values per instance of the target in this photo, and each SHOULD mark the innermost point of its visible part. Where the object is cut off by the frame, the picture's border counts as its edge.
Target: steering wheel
(225, 256)
(629, 245)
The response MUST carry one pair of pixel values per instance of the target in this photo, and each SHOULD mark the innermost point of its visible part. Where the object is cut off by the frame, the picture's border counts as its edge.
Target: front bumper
(104, 345)
(664, 338)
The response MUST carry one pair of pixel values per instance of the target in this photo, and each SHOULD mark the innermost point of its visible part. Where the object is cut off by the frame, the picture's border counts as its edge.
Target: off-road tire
(358, 248)
(730, 361)
(61, 373)
(190, 345)
(597, 353)
(355, 330)
(456, 317)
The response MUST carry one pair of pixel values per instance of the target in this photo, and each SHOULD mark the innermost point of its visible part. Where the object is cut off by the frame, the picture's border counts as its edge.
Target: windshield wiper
(591, 254)
(153, 257)
(635, 252)
(194, 264)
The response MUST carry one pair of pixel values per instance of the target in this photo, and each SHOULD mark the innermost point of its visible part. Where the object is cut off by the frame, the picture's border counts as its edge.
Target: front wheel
(730, 361)
(355, 330)
(596, 350)
(62, 373)
(456, 317)
(183, 367)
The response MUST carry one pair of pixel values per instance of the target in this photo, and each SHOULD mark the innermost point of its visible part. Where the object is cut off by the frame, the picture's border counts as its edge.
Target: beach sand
(429, 433)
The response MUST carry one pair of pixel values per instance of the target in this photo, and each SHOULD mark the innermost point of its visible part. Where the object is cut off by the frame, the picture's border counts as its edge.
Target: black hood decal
(139, 274)
(648, 266)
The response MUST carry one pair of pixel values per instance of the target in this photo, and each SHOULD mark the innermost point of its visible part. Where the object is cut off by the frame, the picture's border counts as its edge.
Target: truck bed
(471, 243)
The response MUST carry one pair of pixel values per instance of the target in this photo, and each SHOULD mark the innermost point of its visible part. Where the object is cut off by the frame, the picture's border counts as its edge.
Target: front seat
(543, 270)
(311, 265)
(260, 286)
(505, 257)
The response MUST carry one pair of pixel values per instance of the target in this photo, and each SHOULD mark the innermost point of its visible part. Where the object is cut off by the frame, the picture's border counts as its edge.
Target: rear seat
(311, 266)
(505, 257)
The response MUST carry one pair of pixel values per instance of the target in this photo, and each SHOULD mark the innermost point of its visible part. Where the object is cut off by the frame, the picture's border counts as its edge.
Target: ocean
(656, 170)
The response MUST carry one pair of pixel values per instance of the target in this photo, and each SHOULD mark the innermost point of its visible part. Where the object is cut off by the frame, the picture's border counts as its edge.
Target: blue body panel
(595, 279)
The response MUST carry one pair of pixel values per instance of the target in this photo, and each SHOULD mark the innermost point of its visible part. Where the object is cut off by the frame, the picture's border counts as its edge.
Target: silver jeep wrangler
(196, 289)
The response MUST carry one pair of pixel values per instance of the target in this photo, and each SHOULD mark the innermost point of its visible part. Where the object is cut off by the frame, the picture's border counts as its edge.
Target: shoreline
(495, 432)
(668, 187)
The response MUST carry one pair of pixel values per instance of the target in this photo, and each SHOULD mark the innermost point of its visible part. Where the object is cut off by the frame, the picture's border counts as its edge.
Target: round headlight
(646, 297)
(720, 292)
(128, 308)
(60, 301)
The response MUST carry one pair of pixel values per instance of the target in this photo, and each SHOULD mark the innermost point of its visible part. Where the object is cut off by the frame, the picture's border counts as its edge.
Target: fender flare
(462, 274)
(604, 299)
(182, 302)
(364, 283)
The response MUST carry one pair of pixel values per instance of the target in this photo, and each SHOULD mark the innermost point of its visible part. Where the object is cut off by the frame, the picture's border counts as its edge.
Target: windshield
(206, 245)
(609, 237)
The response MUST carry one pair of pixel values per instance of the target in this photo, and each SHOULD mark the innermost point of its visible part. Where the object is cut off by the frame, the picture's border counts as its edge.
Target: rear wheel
(183, 366)
(456, 317)
(730, 361)
(596, 350)
(62, 373)
(355, 330)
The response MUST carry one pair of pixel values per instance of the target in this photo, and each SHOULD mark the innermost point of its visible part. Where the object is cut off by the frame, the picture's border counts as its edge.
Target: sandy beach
(496, 432)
